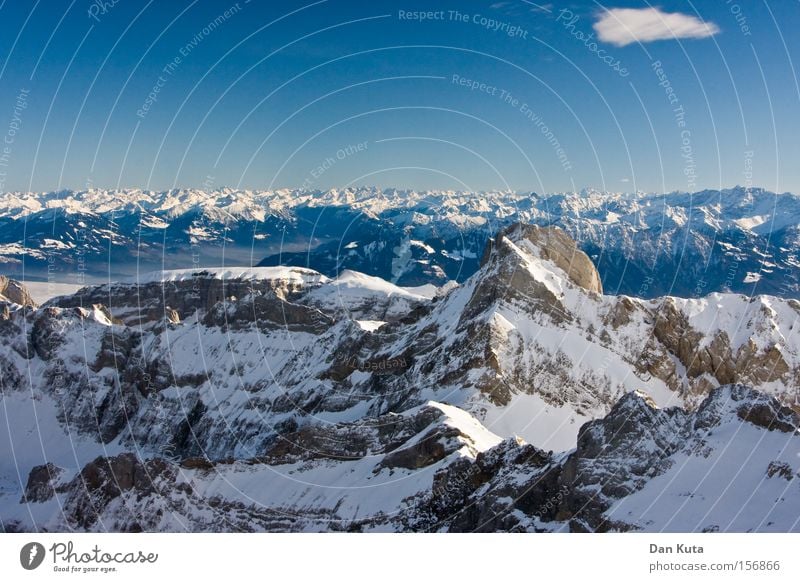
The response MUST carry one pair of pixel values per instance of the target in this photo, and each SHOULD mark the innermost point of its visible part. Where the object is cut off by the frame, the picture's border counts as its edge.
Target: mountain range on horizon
(742, 240)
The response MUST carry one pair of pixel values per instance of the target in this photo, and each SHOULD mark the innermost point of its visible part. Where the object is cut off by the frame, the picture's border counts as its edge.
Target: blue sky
(505, 94)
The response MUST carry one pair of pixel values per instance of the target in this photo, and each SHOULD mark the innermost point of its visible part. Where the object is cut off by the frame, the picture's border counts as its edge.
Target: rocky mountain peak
(14, 291)
(548, 243)
(748, 405)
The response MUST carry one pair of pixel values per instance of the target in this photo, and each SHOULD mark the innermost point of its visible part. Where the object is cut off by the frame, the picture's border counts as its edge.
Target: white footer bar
(410, 557)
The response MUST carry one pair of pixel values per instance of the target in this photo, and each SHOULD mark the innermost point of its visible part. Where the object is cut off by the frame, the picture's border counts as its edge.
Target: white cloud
(623, 26)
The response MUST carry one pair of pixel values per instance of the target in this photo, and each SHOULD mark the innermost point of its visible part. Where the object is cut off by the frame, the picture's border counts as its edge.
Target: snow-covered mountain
(645, 245)
(279, 398)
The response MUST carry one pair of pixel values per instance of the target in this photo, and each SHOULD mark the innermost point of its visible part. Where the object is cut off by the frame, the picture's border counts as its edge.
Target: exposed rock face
(175, 300)
(431, 447)
(14, 291)
(710, 354)
(107, 479)
(515, 487)
(353, 441)
(553, 244)
(42, 482)
(780, 469)
(276, 297)
(268, 311)
(762, 411)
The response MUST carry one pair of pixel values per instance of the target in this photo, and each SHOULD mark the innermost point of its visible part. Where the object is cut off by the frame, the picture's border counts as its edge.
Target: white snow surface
(297, 275)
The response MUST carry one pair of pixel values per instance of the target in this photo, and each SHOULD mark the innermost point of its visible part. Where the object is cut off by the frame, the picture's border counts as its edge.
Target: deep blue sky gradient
(258, 105)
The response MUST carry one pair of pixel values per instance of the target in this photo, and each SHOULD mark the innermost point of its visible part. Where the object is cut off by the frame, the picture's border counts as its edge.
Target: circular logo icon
(31, 555)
